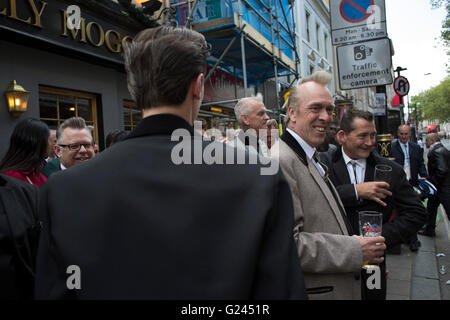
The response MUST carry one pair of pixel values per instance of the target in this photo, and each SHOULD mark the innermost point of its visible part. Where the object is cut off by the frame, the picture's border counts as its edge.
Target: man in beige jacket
(331, 258)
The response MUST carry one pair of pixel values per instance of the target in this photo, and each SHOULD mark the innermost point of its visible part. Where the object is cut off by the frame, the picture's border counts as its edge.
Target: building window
(308, 33)
(131, 115)
(311, 69)
(57, 105)
(318, 37)
(326, 47)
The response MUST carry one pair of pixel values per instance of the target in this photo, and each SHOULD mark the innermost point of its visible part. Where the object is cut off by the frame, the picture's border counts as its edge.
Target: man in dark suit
(352, 172)
(148, 218)
(439, 170)
(410, 156)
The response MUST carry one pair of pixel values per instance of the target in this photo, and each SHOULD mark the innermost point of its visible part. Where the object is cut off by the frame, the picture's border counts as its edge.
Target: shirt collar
(347, 159)
(309, 151)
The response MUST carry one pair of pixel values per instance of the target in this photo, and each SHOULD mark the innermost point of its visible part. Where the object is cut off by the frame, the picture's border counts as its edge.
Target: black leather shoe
(414, 246)
(427, 233)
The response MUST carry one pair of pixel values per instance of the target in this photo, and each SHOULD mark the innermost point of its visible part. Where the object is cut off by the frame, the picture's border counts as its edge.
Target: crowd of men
(130, 223)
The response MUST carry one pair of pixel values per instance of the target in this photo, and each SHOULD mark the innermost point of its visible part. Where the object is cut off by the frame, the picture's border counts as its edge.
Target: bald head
(404, 133)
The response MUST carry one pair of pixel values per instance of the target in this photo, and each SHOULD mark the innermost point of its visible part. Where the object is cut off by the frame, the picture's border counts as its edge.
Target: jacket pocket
(321, 293)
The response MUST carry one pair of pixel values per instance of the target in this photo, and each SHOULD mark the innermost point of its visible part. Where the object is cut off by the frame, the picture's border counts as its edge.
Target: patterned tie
(335, 195)
(354, 170)
(324, 167)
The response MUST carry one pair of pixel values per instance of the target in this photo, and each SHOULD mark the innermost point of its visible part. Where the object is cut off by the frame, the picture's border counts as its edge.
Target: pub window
(131, 115)
(57, 105)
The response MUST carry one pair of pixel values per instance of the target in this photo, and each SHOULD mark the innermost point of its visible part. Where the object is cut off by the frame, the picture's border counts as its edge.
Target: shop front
(68, 69)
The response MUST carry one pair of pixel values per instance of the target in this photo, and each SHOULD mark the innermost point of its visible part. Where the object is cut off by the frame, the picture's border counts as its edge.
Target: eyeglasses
(77, 146)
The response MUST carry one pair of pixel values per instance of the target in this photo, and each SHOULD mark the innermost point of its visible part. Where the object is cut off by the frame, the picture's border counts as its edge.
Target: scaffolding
(253, 40)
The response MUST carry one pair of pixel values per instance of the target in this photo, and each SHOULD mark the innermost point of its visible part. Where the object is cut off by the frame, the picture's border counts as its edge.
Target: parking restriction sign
(357, 20)
(401, 86)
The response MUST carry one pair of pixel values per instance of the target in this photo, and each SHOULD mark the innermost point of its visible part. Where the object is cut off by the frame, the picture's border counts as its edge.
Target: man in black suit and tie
(410, 156)
(136, 223)
(352, 172)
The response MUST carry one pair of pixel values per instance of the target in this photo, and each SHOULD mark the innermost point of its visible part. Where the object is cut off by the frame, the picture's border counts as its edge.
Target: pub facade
(70, 62)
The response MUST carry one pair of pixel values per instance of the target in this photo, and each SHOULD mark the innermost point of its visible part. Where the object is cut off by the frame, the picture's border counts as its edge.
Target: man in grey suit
(331, 258)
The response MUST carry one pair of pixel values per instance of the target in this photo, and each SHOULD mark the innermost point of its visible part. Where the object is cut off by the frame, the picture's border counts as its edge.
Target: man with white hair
(251, 114)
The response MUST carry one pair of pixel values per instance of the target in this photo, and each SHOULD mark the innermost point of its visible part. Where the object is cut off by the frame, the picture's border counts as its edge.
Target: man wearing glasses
(74, 145)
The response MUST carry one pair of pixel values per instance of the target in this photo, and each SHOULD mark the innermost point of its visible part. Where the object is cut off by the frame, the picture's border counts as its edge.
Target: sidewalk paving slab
(425, 289)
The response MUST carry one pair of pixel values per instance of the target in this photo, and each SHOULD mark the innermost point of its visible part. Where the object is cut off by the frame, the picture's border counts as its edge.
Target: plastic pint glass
(370, 223)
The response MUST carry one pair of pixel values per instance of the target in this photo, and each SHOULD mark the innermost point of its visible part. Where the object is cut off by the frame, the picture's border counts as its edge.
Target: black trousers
(443, 196)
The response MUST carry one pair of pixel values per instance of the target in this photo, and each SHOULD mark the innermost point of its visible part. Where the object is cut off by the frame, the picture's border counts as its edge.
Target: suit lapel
(295, 146)
(329, 196)
(298, 150)
(340, 169)
(400, 152)
(370, 168)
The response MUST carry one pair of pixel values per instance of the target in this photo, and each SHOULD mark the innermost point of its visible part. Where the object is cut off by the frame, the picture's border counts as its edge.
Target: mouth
(320, 129)
(81, 159)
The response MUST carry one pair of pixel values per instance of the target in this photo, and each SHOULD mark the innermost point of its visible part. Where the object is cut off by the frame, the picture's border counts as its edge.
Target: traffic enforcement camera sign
(364, 64)
(401, 86)
(357, 20)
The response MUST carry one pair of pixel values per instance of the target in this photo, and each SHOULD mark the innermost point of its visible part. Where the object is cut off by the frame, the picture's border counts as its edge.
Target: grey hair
(74, 123)
(243, 106)
(320, 77)
(433, 137)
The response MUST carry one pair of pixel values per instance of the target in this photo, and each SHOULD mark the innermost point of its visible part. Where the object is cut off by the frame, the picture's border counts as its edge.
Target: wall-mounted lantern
(17, 98)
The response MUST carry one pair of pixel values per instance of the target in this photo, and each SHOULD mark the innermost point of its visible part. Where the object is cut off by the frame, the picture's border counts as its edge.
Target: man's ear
(341, 136)
(198, 83)
(244, 119)
(58, 151)
(291, 114)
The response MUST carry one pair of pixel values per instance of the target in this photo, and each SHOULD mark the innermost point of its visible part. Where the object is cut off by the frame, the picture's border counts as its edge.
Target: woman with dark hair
(27, 152)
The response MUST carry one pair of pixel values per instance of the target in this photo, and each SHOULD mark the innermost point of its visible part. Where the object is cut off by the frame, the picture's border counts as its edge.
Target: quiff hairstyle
(350, 115)
(161, 64)
(244, 105)
(73, 123)
(321, 77)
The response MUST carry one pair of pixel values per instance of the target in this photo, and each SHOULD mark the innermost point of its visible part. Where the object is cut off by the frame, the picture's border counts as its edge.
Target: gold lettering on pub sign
(94, 34)
(89, 32)
(37, 13)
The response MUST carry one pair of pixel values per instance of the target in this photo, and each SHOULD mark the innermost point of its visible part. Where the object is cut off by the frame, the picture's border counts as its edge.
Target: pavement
(416, 275)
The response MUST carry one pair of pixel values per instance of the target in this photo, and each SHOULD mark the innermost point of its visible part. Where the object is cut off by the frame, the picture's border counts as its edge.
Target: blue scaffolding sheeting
(266, 23)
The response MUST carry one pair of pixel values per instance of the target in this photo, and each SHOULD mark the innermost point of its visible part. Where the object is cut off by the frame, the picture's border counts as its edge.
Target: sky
(415, 31)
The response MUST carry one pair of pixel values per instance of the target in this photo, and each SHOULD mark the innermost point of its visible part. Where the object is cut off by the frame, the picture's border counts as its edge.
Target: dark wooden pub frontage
(67, 71)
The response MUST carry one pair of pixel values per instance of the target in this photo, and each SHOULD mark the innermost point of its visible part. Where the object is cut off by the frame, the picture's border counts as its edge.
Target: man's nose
(325, 115)
(266, 117)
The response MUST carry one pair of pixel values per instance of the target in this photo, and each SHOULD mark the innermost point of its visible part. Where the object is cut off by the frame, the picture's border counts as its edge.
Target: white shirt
(360, 170)
(309, 151)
